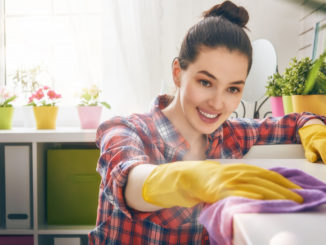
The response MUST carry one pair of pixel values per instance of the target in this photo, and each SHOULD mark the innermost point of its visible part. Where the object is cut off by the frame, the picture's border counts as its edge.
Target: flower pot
(277, 106)
(45, 116)
(287, 104)
(6, 114)
(315, 103)
(89, 116)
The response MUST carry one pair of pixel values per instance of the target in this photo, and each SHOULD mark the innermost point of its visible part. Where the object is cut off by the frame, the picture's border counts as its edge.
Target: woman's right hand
(187, 183)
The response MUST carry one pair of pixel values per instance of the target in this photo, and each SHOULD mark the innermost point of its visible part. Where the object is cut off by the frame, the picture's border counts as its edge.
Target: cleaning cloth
(217, 218)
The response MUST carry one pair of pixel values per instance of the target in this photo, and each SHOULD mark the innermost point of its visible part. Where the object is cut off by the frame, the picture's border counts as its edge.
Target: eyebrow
(213, 77)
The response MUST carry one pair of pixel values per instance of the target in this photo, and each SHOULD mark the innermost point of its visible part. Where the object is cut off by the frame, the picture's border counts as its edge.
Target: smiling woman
(153, 165)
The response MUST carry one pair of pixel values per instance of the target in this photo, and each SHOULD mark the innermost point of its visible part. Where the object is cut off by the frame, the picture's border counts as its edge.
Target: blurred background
(126, 47)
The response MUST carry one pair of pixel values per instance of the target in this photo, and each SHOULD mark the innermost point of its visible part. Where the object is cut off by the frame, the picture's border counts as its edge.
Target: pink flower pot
(277, 106)
(89, 116)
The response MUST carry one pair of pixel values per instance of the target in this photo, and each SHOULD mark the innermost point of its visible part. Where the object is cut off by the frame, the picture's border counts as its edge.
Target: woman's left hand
(313, 138)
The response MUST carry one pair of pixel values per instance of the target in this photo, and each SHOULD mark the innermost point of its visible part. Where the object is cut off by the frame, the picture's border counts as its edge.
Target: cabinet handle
(17, 216)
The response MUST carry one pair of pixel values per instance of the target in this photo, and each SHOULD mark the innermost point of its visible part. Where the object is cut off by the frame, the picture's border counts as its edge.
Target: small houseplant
(309, 90)
(44, 106)
(294, 81)
(274, 91)
(89, 107)
(6, 108)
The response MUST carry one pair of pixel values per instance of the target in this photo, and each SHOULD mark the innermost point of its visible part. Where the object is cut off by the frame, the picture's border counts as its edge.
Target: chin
(209, 129)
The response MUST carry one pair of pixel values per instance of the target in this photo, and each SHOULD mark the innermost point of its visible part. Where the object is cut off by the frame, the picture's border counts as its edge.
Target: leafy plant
(90, 97)
(316, 81)
(6, 97)
(44, 96)
(274, 85)
(295, 76)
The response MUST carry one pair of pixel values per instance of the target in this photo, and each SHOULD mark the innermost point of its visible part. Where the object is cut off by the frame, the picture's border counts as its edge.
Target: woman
(154, 174)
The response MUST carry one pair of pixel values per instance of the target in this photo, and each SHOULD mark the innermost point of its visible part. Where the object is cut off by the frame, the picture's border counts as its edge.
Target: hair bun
(236, 14)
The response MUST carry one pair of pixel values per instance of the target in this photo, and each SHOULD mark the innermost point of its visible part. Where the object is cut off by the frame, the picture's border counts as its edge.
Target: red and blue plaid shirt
(126, 142)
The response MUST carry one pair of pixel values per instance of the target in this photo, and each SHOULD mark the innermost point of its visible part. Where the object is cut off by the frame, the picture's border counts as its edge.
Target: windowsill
(67, 117)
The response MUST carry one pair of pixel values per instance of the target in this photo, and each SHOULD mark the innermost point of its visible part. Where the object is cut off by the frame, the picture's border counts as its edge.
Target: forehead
(221, 62)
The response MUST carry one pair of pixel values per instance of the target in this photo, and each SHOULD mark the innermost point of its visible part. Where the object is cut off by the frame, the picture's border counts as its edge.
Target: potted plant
(89, 109)
(274, 91)
(294, 80)
(44, 107)
(309, 94)
(6, 108)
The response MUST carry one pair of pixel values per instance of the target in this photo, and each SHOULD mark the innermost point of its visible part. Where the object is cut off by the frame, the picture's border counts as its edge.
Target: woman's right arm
(133, 191)
(124, 163)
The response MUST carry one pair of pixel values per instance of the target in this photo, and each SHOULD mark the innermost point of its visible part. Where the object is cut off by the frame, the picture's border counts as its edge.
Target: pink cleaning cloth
(217, 218)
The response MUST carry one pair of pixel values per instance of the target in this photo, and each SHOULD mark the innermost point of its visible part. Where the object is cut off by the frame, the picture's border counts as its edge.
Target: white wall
(276, 20)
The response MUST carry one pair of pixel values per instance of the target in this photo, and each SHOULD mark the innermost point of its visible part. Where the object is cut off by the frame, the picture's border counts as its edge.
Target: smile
(207, 114)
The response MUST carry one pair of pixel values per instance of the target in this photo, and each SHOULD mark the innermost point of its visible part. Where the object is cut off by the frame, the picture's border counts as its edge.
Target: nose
(216, 100)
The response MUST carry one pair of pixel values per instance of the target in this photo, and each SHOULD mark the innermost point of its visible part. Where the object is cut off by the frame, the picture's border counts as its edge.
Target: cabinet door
(17, 186)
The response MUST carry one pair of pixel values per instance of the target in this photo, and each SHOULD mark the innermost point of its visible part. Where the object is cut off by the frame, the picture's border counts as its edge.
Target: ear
(176, 72)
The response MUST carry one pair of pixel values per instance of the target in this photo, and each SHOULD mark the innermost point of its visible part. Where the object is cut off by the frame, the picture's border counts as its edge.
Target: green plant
(305, 77)
(316, 81)
(274, 85)
(295, 76)
(90, 97)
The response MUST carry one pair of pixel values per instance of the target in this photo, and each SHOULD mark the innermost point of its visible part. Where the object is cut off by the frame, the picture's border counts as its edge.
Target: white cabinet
(23, 183)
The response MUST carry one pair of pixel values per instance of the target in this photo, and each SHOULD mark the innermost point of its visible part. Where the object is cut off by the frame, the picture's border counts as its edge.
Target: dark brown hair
(223, 25)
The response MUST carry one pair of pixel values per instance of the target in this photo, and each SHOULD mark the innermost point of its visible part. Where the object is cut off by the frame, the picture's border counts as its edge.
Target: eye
(205, 83)
(234, 90)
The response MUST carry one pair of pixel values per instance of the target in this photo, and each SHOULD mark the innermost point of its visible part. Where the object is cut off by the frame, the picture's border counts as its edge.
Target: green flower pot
(287, 104)
(6, 115)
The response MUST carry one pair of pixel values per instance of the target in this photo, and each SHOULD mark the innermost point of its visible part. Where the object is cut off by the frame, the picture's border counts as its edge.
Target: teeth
(208, 115)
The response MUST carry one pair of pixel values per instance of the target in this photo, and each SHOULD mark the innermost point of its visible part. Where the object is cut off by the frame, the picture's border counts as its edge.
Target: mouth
(208, 117)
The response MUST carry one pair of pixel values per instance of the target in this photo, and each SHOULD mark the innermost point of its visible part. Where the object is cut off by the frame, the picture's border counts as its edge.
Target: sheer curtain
(132, 63)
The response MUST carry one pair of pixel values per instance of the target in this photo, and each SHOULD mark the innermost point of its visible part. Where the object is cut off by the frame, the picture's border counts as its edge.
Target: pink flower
(39, 94)
(45, 96)
(51, 94)
(30, 99)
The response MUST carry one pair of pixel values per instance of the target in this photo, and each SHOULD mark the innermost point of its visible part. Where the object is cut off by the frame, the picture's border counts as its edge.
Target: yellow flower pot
(45, 116)
(315, 103)
(6, 114)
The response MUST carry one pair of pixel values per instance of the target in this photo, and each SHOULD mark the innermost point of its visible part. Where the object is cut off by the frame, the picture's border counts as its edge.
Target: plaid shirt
(126, 142)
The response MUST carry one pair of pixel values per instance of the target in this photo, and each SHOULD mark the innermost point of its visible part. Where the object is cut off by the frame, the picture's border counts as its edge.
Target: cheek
(233, 102)
(191, 94)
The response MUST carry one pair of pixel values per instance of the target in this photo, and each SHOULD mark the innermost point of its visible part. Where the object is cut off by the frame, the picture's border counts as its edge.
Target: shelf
(39, 142)
(65, 229)
(23, 135)
(16, 231)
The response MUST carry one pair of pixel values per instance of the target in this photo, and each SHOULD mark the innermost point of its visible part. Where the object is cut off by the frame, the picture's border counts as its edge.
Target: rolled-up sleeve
(121, 150)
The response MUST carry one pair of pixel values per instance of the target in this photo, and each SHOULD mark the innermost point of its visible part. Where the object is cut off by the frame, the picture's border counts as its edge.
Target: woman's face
(210, 89)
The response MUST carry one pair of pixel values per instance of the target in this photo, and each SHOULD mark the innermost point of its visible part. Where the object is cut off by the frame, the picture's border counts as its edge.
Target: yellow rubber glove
(188, 183)
(313, 139)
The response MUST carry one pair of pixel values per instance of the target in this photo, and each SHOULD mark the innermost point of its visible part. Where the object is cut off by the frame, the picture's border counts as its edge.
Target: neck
(175, 114)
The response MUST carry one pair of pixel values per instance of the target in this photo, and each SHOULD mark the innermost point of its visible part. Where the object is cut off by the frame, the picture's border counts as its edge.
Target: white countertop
(282, 229)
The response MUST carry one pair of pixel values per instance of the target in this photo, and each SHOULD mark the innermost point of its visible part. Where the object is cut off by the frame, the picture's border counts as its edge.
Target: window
(62, 37)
